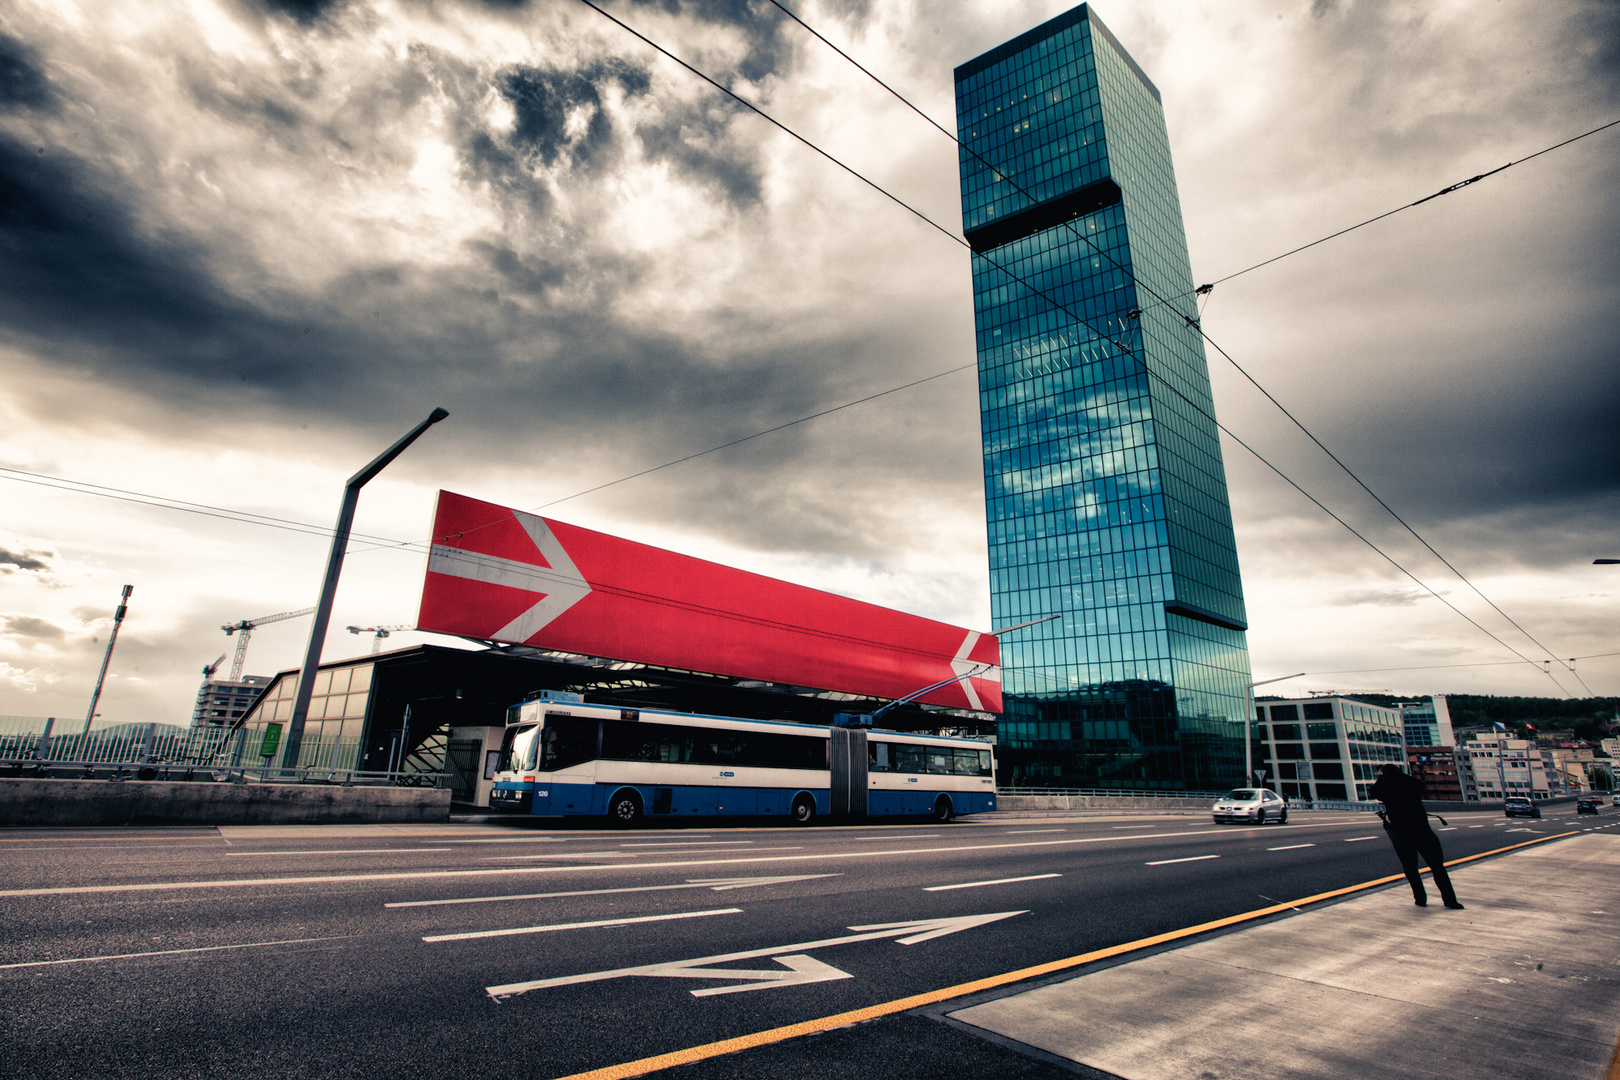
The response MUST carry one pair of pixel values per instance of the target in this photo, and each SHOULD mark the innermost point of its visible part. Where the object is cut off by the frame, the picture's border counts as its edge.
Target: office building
(1328, 748)
(1105, 489)
(1440, 772)
(1501, 766)
(1428, 723)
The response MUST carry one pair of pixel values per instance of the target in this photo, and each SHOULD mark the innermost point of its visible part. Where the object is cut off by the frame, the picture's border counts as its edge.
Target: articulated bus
(561, 756)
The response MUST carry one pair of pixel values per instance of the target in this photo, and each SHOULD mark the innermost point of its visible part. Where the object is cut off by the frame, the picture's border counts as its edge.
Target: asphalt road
(533, 950)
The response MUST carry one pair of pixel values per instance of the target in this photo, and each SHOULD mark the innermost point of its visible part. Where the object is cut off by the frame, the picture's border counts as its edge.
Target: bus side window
(908, 759)
(966, 762)
(984, 763)
(878, 752)
(939, 760)
(566, 741)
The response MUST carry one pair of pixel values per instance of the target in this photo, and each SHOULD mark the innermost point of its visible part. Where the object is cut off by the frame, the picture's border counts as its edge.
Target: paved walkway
(1525, 983)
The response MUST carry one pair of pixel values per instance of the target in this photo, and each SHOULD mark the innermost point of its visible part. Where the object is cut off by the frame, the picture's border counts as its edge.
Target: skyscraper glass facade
(1105, 490)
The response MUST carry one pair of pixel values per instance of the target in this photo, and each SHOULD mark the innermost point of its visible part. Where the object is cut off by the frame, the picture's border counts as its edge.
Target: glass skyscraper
(1105, 492)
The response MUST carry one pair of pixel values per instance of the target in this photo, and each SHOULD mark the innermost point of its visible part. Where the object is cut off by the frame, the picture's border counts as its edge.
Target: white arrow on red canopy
(558, 584)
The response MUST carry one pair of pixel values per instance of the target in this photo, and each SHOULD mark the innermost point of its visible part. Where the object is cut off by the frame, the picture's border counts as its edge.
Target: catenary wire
(305, 527)
(1124, 350)
(1436, 667)
(1196, 323)
(164, 502)
(757, 434)
(1390, 213)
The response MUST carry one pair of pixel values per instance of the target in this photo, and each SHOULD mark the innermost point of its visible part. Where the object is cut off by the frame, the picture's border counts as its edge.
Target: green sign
(272, 740)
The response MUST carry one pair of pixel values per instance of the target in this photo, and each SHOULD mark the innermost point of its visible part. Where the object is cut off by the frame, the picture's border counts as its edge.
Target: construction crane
(378, 633)
(247, 626)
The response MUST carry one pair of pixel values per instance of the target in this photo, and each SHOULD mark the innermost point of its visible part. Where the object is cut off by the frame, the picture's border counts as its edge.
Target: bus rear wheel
(624, 809)
(943, 811)
(804, 810)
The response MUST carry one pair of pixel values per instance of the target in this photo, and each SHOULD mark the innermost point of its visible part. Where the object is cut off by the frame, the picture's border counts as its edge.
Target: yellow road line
(692, 1054)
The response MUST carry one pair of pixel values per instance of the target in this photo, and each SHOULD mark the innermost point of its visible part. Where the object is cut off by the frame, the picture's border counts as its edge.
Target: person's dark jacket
(1402, 797)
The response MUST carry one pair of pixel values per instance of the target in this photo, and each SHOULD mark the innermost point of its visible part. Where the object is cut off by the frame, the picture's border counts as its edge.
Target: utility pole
(112, 639)
(334, 566)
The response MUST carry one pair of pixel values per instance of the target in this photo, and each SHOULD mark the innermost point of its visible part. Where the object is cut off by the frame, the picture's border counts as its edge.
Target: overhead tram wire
(80, 487)
(162, 502)
(1390, 213)
(1124, 350)
(1196, 322)
(757, 434)
(1438, 667)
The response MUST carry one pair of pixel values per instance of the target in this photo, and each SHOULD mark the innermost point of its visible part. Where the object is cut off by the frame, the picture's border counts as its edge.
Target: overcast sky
(244, 245)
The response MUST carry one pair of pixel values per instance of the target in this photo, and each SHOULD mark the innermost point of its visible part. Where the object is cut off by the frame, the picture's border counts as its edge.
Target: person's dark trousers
(1407, 848)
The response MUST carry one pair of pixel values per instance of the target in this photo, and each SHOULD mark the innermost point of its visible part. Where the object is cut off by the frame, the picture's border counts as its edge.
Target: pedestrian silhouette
(1408, 826)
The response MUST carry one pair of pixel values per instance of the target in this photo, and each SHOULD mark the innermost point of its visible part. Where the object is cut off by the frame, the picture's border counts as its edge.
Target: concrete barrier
(148, 802)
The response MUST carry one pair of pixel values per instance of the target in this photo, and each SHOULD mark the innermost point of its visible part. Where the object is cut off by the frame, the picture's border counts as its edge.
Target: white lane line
(688, 843)
(563, 855)
(1476, 826)
(1032, 832)
(901, 836)
(510, 840)
(1449, 828)
(1190, 858)
(997, 881)
(717, 884)
(413, 875)
(583, 925)
(1289, 847)
(175, 952)
(349, 851)
(1358, 839)
(618, 854)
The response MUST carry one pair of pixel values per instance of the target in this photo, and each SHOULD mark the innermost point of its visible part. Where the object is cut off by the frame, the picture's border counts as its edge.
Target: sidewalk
(1525, 983)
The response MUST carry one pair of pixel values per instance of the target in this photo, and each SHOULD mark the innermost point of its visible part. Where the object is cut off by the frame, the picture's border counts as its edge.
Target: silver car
(1258, 805)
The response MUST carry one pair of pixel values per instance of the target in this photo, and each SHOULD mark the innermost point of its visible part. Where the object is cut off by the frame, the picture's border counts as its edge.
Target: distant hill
(1586, 717)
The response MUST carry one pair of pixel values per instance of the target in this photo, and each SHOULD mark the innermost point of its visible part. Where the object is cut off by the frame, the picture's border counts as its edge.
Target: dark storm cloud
(544, 101)
(91, 290)
(12, 561)
(78, 273)
(304, 12)
(22, 82)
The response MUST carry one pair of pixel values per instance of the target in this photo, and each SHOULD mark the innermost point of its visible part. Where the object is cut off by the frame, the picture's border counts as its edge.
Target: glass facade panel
(1105, 492)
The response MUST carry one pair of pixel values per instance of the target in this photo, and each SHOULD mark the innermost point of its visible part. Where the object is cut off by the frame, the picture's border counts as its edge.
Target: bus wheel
(943, 811)
(804, 810)
(625, 809)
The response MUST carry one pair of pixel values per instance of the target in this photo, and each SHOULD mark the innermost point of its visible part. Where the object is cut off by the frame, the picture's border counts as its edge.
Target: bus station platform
(1523, 983)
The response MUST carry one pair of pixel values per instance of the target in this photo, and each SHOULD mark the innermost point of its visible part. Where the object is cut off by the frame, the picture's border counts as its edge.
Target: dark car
(1586, 806)
(1517, 806)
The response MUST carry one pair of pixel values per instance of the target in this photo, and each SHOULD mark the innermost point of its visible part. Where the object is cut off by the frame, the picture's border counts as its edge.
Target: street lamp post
(1248, 721)
(334, 565)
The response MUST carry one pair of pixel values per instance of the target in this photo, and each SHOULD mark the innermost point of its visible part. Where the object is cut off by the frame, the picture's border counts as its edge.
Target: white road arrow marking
(804, 969)
(561, 583)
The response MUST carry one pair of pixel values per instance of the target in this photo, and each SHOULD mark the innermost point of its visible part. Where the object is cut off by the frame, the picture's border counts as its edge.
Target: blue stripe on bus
(690, 800)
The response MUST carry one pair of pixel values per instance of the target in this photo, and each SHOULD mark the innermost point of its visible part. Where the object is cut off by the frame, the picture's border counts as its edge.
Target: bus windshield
(517, 748)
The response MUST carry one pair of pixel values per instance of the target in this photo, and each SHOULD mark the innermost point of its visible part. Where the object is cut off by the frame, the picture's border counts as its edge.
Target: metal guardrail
(191, 772)
(1119, 793)
(30, 750)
